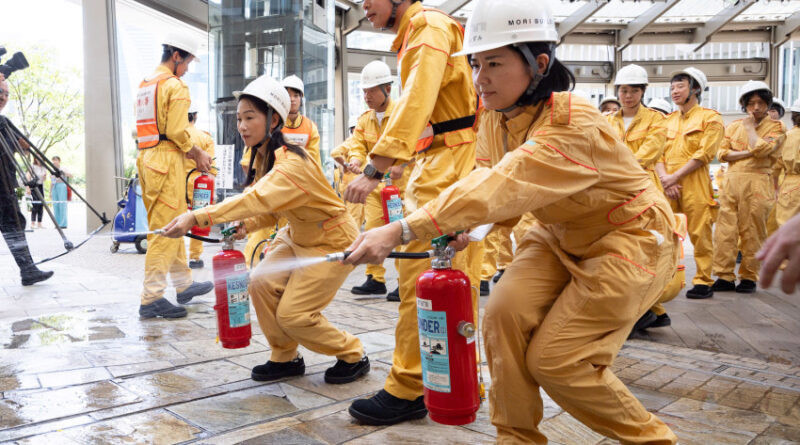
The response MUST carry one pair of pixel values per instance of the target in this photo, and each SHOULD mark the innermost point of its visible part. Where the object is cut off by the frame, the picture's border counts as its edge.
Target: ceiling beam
(704, 33)
(638, 24)
(580, 16)
(784, 31)
(191, 12)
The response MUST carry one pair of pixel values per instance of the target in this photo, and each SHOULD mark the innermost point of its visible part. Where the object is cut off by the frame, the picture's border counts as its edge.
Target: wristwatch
(371, 172)
(405, 235)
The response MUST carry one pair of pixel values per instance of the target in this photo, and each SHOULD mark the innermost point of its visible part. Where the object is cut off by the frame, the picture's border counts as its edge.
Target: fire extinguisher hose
(341, 256)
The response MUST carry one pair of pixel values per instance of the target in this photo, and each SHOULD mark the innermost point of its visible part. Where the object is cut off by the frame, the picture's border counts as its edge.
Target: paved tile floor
(78, 366)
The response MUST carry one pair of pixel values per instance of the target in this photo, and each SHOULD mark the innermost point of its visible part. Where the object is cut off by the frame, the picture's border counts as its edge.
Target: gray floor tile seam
(57, 425)
(715, 374)
(769, 370)
(367, 307)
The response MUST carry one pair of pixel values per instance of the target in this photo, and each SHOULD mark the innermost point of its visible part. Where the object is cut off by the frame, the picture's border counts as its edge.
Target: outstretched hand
(180, 226)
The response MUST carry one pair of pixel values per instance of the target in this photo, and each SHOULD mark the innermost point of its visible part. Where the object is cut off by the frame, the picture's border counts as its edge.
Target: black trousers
(38, 209)
(12, 221)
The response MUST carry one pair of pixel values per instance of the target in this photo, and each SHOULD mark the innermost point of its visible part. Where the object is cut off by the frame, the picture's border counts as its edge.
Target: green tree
(47, 102)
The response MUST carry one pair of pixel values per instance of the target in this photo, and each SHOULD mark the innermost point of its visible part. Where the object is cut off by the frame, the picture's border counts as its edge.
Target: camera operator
(12, 222)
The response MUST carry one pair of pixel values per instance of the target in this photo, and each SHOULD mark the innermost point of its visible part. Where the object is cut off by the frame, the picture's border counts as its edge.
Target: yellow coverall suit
(778, 175)
(289, 303)
(747, 195)
(696, 134)
(436, 88)
(341, 180)
(599, 256)
(203, 140)
(256, 236)
(646, 136)
(789, 164)
(359, 145)
(163, 178)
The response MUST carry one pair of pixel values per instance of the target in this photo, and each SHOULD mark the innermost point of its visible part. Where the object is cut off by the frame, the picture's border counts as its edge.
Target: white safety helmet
(776, 102)
(270, 91)
(660, 105)
(495, 24)
(352, 121)
(294, 83)
(608, 99)
(631, 75)
(374, 74)
(183, 42)
(193, 108)
(795, 108)
(695, 74)
(751, 86)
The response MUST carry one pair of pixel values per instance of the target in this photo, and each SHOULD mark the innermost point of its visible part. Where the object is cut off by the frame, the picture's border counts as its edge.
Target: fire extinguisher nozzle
(338, 256)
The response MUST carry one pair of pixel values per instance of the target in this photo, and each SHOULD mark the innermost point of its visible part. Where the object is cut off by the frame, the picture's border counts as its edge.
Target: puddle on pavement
(61, 329)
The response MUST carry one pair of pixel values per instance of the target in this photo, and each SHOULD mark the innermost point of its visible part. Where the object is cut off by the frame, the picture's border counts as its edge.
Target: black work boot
(18, 246)
(33, 275)
(196, 264)
(484, 288)
(662, 321)
(746, 287)
(195, 289)
(277, 370)
(393, 295)
(386, 409)
(370, 287)
(645, 321)
(498, 275)
(723, 286)
(161, 308)
(700, 292)
(343, 372)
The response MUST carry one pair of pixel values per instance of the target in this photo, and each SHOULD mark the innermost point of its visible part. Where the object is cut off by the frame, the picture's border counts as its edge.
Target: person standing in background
(38, 175)
(58, 194)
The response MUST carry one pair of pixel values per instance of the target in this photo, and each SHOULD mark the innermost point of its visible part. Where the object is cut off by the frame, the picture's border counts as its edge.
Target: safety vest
(298, 136)
(147, 112)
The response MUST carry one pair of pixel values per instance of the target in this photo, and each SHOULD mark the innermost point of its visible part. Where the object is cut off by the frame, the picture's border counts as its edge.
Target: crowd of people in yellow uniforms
(598, 201)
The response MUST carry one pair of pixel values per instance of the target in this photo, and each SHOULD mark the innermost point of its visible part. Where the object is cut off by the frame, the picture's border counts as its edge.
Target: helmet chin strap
(693, 92)
(537, 78)
(385, 95)
(393, 17)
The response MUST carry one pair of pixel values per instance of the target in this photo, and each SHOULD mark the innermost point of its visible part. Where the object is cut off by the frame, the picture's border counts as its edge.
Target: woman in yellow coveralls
(789, 163)
(288, 303)
(597, 258)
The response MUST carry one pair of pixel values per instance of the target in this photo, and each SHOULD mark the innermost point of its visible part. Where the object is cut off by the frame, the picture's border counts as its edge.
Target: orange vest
(147, 112)
(298, 136)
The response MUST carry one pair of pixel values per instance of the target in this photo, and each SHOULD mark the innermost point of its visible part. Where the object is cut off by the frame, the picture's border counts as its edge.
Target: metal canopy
(703, 35)
(638, 24)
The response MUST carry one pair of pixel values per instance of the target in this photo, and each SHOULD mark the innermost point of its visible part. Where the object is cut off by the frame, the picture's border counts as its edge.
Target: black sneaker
(196, 264)
(195, 289)
(386, 409)
(393, 295)
(498, 275)
(277, 370)
(645, 321)
(34, 275)
(484, 288)
(662, 321)
(370, 287)
(161, 308)
(343, 372)
(746, 287)
(700, 292)
(723, 286)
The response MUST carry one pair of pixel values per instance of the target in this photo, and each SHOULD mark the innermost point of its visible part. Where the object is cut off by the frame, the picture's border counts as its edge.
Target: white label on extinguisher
(238, 301)
(201, 198)
(395, 207)
(433, 347)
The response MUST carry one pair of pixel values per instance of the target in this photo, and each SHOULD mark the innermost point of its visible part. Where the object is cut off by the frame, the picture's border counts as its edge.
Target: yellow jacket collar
(387, 112)
(294, 123)
(523, 121)
(691, 111)
(405, 22)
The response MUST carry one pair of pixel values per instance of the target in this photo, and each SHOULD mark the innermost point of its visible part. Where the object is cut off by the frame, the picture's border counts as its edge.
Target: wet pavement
(78, 366)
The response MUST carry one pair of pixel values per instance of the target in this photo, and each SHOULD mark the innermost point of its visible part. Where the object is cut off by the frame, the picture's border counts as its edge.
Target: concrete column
(340, 82)
(103, 146)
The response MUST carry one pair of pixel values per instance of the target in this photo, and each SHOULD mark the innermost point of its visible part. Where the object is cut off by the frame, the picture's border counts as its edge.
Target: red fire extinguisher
(233, 301)
(447, 337)
(392, 204)
(202, 196)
